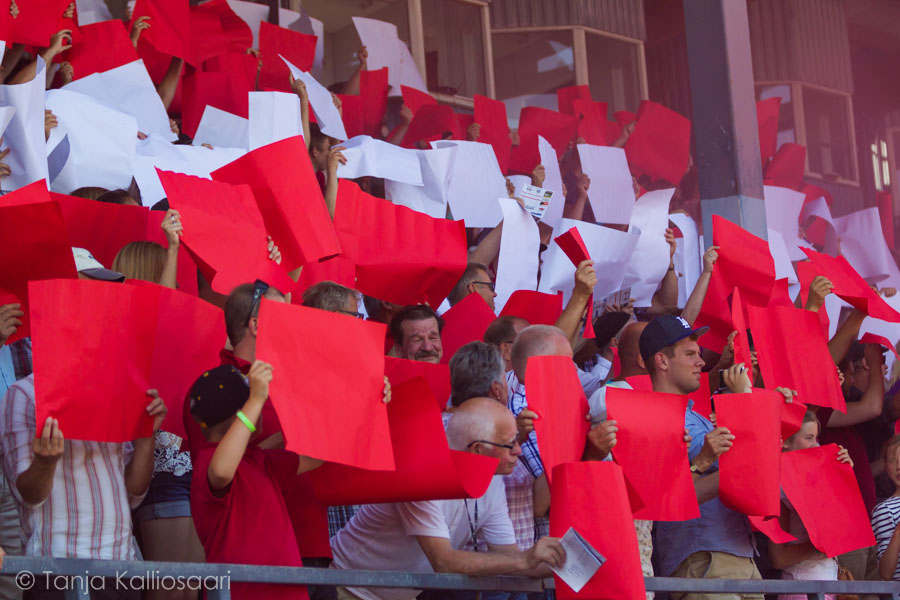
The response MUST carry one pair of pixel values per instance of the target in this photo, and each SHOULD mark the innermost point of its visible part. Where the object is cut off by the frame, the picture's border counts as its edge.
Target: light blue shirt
(7, 372)
(719, 529)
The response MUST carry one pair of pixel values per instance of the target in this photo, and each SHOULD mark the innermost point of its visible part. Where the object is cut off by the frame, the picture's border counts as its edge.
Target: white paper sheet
(819, 208)
(650, 262)
(611, 193)
(430, 198)
(783, 208)
(368, 156)
(475, 183)
(784, 268)
(91, 11)
(252, 14)
(128, 89)
(274, 116)
(6, 115)
(222, 129)
(386, 49)
(327, 115)
(688, 257)
(24, 134)
(2, 50)
(102, 143)
(610, 249)
(517, 264)
(582, 561)
(519, 181)
(552, 181)
(862, 243)
(319, 31)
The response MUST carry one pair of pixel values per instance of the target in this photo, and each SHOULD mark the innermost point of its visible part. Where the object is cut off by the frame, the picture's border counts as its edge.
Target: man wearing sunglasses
(475, 280)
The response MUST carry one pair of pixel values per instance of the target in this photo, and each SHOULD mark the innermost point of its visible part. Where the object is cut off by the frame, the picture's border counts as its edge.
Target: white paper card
(386, 49)
(102, 143)
(24, 134)
(274, 116)
(536, 199)
(430, 198)
(611, 193)
(91, 11)
(252, 14)
(688, 256)
(783, 208)
(862, 243)
(221, 129)
(368, 156)
(517, 264)
(475, 183)
(819, 208)
(552, 181)
(582, 560)
(783, 266)
(327, 115)
(650, 262)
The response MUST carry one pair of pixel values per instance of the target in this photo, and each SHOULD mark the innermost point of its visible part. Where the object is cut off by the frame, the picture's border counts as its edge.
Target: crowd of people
(223, 487)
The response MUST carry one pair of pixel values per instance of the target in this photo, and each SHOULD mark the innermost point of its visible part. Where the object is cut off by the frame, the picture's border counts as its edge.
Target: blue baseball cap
(664, 331)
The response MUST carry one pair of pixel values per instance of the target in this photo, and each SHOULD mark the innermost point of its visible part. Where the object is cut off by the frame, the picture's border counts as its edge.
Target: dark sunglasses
(352, 313)
(507, 446)
(260, 288)
(490, 284)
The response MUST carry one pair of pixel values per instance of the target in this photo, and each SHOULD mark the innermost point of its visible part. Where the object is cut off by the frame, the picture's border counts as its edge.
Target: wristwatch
(696, 469)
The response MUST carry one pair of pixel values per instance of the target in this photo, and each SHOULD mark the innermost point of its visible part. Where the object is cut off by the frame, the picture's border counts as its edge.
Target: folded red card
(662, 477)
(298, 48)
(566, 96)
(289, 199)
(103, 46)
(170, 26)
(871, 338)
(401, 255)
(34, 246)
(427, 469)
(400, 370)
(535, 307)
(36, 22)
(793, 353)
(660, 145)
(317, 404)
(767, 120)
(787, 166)
(415, 99)
(235, 29)
(432, 122)
(851, 287)
(749, 471)
(556, 395)
(557, 128)
(771, 528)
(465, 322)
(576, 488)
(373, 90)
(826, 495)
(491, 115)
(574, 248)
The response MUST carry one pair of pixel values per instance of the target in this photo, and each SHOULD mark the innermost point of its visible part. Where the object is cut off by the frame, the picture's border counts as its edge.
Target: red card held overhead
(491, 115)
(317, 404)
(741, 343)
(556, 128)
(401, 255)
(235, 29)
(289, 199)
(851, 287)
(169, 29)
(574, 248)
(556, 395)
(871, 338)
(427, 469)
(744, 260)
(662, 478)
(103, 46)
(566, 96)
(400, 370)
(432, 122)
(592, 124)
(787, 166)
(298, 48)
(36, 22)
(465, 322)
(535, 307)
(373, 91)
(660, 145)
(415, 99)
(749, 471)
(34, 246)
(826, 495)
(575, 491)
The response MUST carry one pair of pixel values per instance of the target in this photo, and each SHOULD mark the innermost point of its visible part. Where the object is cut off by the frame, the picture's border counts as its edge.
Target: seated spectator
(502, 334)
(417, 334)
(425, 537)
(118, 197)
(333, 297)
(475, 280)
(149, 261)
(886, 518)
(596, 355)
(89, 267)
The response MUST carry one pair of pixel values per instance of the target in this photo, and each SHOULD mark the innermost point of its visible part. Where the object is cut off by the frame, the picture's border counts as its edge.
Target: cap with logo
(664, 331)
(218, 394)
(90, 266)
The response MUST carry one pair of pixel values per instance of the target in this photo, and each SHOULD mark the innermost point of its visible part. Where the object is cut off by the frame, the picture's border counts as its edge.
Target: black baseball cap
(218, 394)
(664, 331)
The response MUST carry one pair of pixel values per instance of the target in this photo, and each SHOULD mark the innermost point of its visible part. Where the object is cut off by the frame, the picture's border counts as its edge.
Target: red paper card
(298, 48)
(576, 488)
(491, 115)
(826, 495)
(170, 26)
(235, 29)
(415, 99)
(309, 517)
(400, 370)
(465, 322)
(871, 338)
(224, 232)
(207, 38)
(851, 287)
(772, 529)
(806, 272)
(660, 145)
(352, 115)
(767, 121)
(566, 96)
(661, 477)
(573, 246)
(787, 166)
(592, 125)
(556, 395)
(793, 353)
(34, 246)
(701, 398)
(427, 469)
(103, 46)
(71, 317)
(556, 128)
(535, 307)
(373, 90)
(749, 471)
(741, 343)
(316, 402)
(432, 122)
(624, 117)
(886, 212)
(37, 22)
(401, 255)
(289, 199)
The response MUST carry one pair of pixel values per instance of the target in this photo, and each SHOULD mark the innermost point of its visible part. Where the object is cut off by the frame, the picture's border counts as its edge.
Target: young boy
(886, 517)
(236, 491)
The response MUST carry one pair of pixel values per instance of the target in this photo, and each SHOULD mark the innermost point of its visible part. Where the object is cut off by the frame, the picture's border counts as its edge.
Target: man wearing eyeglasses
(475, 280)
(424, 537)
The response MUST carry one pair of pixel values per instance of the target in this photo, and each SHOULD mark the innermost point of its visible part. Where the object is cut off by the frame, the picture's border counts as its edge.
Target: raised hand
(260, 377)
(50, 122)
(819, 288)
(156, 409)
(10, 319)
(173, 227)
(538, 175)
(473, 132)
(140, 25)
(48, 448)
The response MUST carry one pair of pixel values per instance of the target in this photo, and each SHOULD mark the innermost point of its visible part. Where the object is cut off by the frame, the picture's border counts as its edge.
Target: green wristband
(246, 421)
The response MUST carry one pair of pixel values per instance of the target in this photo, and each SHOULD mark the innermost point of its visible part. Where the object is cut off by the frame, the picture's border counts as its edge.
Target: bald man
(425, 537)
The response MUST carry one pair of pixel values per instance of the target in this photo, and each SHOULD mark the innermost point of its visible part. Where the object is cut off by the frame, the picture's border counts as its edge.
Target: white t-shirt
(382, 537)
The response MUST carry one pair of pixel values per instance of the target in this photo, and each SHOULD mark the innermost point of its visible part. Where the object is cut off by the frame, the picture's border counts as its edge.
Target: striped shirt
(531, 456)
(88, 512)
(885, 518)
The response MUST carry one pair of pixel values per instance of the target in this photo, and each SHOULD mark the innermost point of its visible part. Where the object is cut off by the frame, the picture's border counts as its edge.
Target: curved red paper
(851, 287)
(537, 308)
(465, 322)
(400, 370)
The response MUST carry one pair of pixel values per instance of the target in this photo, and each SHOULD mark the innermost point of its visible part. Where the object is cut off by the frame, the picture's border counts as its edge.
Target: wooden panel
(623, 17)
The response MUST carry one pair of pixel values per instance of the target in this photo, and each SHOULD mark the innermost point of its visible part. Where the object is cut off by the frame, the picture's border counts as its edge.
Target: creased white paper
(327, 115)
(475, 183)
(274, 116)
(431, 197)
(222, 129)
(611, 193)
(368, 156)
(650, 262)
(517, 265)
(24, 134)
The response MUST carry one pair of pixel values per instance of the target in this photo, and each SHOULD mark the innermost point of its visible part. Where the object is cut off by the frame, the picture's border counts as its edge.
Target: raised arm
(570, 319)
(57, 45)
(299, 88)
(139, 469)
(171, 224)
(169, 84)
(872, 401)
(698, 294)
(667, 294)
(351, 88)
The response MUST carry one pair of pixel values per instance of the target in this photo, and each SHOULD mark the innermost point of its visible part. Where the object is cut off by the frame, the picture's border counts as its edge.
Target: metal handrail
(152, 573)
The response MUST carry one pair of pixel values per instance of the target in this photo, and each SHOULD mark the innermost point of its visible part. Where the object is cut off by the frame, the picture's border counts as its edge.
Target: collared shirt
(88, 512)
(339, 516)
(520, 501)
(7, 371)
(531, 456)
(21, 357)
(719, 529)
